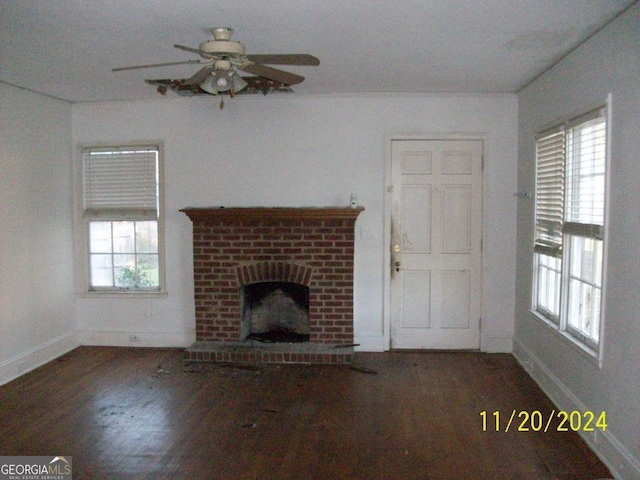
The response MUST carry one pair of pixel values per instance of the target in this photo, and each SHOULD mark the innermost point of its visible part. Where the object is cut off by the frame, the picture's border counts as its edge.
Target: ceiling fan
(223, 58)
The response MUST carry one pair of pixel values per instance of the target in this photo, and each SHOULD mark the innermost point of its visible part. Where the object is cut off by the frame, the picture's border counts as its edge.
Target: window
(121, 210)
(569, 226)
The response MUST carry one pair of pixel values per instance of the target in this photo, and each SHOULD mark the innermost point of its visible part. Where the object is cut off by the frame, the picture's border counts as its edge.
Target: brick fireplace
(234, 248)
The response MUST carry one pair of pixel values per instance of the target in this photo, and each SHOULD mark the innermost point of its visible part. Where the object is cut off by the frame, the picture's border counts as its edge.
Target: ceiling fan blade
(154, 65)
(199, 77)
(281, 76)
(286, 59)
(194, 50)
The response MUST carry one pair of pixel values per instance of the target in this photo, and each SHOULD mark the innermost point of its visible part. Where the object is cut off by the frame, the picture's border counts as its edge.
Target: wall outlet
(133, 338)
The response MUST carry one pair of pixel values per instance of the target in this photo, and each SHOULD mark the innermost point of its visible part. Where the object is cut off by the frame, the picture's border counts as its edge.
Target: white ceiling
(67, 48)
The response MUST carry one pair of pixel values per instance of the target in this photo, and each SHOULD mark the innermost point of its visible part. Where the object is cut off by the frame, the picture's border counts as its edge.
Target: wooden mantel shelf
(204, 214)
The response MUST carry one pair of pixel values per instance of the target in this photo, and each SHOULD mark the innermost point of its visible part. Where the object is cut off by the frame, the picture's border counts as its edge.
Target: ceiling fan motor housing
(223, 47)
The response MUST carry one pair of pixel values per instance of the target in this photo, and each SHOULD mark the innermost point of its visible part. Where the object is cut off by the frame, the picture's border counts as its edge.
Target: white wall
(295, 150)
(607, 63)
(37, 300)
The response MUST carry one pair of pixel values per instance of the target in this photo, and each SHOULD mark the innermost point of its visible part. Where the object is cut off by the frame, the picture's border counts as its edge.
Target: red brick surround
(233, 247)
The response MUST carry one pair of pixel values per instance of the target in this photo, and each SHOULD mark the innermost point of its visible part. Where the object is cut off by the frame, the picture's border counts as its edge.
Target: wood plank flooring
(140, 413)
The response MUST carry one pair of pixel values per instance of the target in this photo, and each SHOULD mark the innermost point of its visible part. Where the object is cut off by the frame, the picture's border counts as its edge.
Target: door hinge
(482, 163)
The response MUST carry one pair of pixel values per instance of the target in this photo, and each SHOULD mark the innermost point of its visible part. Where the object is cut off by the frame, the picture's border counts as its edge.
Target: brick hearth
(233, 247)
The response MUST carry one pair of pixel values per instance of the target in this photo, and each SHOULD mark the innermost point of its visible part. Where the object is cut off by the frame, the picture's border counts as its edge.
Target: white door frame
(387, 218)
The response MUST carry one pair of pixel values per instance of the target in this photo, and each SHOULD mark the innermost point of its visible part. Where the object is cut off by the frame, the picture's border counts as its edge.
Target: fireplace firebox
(273, 270)
(275, 312)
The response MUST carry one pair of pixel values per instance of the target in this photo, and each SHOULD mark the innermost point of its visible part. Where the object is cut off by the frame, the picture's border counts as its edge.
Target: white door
(436, 231)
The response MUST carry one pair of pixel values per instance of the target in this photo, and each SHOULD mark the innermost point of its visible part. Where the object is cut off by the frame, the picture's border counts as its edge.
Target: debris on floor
(360, 369)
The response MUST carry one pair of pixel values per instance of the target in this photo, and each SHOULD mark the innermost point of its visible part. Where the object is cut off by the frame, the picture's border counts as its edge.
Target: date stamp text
(537, 421)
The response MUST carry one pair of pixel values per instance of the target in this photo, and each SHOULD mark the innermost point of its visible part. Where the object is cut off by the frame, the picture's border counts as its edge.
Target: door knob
(396, 248)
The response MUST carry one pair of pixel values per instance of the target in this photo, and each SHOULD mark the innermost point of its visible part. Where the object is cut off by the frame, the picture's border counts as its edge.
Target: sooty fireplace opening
(275, 312)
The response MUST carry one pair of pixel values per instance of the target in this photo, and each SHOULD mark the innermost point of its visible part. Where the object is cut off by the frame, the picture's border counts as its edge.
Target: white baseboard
(497, 344)
(136, 339)
(610, 450)
(369, 344)
(36, 357)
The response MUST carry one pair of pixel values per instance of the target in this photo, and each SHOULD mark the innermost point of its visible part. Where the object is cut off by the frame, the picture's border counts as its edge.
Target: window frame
(572, 230)
(84, 218)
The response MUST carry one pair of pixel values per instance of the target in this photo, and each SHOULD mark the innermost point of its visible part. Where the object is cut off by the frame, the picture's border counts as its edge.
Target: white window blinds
(586, 154)
(550, 163)
(124, 179)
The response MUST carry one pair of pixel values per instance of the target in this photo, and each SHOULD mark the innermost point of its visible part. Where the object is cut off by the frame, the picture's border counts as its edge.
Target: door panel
(416, 163)
(416, 297)
(416, 215)
(457, 163)
(455, 299)
(456, 219)
(436, 238)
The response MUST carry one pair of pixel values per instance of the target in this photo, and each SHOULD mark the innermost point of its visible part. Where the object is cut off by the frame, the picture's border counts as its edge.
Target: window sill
(123, 294)
(585, 351)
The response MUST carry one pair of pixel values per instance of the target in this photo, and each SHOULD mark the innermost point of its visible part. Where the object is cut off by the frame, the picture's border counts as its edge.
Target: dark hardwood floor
(139, 413)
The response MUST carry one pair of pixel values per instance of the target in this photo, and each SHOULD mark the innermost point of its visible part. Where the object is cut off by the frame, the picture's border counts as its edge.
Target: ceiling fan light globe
(222, 83)
(209, 86)
(238, 83)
